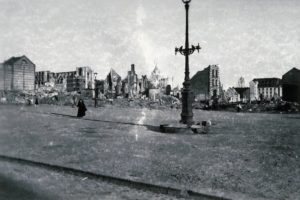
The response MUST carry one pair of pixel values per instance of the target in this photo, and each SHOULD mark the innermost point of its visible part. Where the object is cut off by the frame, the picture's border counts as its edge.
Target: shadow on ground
(11, 189)
(149, 127)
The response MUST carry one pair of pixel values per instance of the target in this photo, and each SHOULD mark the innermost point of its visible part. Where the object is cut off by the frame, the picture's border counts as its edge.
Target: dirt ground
(19, 182)
(243, 156)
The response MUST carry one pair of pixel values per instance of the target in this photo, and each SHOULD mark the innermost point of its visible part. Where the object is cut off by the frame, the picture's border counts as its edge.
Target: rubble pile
(50, 95)
(164, 102)
(288, 107)
(43, 96)
(267, 107)
(17, 97)
(272, 107)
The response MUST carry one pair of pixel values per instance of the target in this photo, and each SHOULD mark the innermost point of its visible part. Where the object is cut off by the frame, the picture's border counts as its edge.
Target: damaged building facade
(144, 85)
(157, 84)
(130, 87)
(254, 95)
(157, 80)
(132, 83)
(81, 79)
(112, 84)
(232, 95)
(206, 83)
(291, 86)
(133, 86)
(17, 73)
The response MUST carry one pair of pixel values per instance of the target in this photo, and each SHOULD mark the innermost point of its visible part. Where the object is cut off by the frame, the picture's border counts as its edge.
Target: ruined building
(242, 90)
(113, 84)
(254, 95)
(157, 81)
(81, 79)
(57, 81)
(132, 83)
(73, 82)
(291, 86)
(232, 95)
(60, 80)
(87, 76)
(144, 85)
(42, 78)
(244, 93)
(157, 84)
(206, 83)
(17, 73)
(99, 89)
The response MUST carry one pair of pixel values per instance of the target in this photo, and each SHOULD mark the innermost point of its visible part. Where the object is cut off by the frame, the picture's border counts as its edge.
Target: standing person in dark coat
(36, 101)
(81, 108)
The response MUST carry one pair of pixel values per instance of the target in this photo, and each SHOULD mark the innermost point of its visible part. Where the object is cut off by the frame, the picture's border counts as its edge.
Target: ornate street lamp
(187, 96)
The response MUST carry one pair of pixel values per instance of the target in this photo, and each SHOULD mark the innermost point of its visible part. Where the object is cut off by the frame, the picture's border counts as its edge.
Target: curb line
(115, 180)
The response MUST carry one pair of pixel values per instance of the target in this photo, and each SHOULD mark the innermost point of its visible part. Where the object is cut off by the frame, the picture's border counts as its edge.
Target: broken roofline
(13, 59)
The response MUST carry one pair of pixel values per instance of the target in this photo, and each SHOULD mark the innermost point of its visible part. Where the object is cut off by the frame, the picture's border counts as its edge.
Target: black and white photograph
(149, 99)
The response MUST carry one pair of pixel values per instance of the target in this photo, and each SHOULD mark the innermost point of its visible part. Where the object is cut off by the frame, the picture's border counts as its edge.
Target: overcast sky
(249, 38)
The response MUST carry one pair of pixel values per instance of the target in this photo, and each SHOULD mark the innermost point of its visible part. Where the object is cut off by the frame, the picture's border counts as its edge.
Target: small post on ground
(95, 89)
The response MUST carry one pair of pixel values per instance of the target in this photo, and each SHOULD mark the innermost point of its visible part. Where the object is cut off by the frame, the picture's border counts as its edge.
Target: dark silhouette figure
(239, 108)
(81, 108)
(36, 101)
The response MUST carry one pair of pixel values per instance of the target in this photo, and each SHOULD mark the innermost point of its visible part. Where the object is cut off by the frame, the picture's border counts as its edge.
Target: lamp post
(96, 89)
(187, 96)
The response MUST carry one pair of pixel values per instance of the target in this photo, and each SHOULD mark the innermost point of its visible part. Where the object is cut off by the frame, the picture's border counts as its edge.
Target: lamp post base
(177, 128)
(187, 119)
(187, 101)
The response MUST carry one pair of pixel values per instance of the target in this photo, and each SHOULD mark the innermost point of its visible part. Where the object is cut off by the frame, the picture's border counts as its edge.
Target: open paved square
(243, 156)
